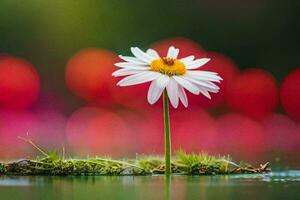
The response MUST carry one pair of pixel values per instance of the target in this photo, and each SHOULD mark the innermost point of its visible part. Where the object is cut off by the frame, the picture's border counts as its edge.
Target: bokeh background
(56, 87)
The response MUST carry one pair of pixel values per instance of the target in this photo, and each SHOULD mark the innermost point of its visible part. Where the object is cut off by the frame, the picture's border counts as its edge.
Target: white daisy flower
(174, 75)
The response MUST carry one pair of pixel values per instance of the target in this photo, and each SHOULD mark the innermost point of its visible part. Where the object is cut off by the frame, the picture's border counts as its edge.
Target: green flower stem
(167, 134)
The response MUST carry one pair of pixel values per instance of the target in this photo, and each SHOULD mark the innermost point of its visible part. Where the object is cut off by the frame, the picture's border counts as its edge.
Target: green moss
(3, 169)
(182, 163)
(51, 163)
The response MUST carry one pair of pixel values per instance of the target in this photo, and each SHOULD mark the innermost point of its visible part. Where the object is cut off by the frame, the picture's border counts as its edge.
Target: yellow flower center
(168, 66)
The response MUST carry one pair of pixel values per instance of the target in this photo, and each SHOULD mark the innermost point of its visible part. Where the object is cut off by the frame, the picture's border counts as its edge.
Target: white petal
(182, 96)
(187, 60)
(125, 72)
(205, 92)
(205, 84)
(162, 81)
(187, 84)
(133, 60)
(172, 52)
(203, 76)
(153, 53)
(142, 77)
(131, 65)
(141, 55)
(154, 92)
(197, 63)
(211, 90)
(172, 89)
(204, 72)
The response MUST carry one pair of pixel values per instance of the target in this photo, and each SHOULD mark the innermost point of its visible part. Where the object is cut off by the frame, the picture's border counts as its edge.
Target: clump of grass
(3, 168)
(202, 163)
(52, 163)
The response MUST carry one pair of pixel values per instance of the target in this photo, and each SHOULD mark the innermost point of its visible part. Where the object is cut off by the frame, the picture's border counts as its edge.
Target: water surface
(275, 185)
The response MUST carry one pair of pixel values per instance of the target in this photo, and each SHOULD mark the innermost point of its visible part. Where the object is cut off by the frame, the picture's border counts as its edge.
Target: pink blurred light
(51, 129)
(76, 128)
(92, 130)
(151, 132)
(283, 134)
(190, 130)
(193, 130)
(14, 124)
(108, 134)
(239, 135)
(51, 100)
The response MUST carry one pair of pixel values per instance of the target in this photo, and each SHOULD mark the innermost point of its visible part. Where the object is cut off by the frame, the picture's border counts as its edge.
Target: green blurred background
(256, 33)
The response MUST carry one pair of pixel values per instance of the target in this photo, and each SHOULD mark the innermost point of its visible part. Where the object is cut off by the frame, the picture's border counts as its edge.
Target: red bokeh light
(186, 46)
(227, 69)
(19, 83)
(239, 135)
(253, 92)
(88, 75)
(290, 94)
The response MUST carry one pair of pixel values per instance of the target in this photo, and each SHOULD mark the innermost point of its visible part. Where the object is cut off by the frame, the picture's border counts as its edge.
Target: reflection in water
(275, 185)
(168, 187)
